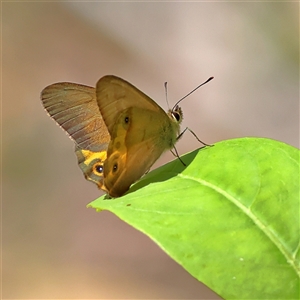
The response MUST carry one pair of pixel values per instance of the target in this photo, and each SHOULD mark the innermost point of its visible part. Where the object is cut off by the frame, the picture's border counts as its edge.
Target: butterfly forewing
(74, 108)
(115, 95)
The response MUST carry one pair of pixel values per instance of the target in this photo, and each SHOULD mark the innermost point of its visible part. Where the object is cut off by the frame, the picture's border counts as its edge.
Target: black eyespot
(99, 169)
(176, 115)
(126, 120)
(115, 168)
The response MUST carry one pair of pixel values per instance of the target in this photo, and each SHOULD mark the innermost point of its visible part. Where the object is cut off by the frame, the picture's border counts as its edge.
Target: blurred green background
(53, 246)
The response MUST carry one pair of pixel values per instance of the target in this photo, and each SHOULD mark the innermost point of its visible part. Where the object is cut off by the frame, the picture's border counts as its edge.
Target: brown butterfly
(75, 109)
(119, 131)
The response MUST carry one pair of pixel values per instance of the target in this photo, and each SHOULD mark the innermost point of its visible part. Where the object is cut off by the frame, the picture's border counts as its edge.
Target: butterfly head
(176, 114)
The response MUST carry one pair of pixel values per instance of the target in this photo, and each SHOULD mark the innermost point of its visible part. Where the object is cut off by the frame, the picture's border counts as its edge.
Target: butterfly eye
(126, 120)
(99, 169)
(115, 168)
(176, 116)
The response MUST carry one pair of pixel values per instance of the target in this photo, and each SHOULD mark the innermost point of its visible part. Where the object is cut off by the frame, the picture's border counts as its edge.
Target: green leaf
(230, 218)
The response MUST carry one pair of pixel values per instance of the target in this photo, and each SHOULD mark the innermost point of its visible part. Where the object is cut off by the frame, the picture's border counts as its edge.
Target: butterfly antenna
(166, 92)
(209, 79)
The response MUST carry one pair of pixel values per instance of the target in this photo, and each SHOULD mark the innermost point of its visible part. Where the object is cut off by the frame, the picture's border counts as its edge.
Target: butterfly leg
(177, 155)
(173, 153)
(179, 136)
(194, 134)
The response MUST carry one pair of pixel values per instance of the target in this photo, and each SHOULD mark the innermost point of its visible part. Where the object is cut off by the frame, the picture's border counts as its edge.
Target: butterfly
(119, 131)
(74, 107)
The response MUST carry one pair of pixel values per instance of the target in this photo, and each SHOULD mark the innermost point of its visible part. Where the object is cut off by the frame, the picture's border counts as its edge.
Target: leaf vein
(273, 238)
